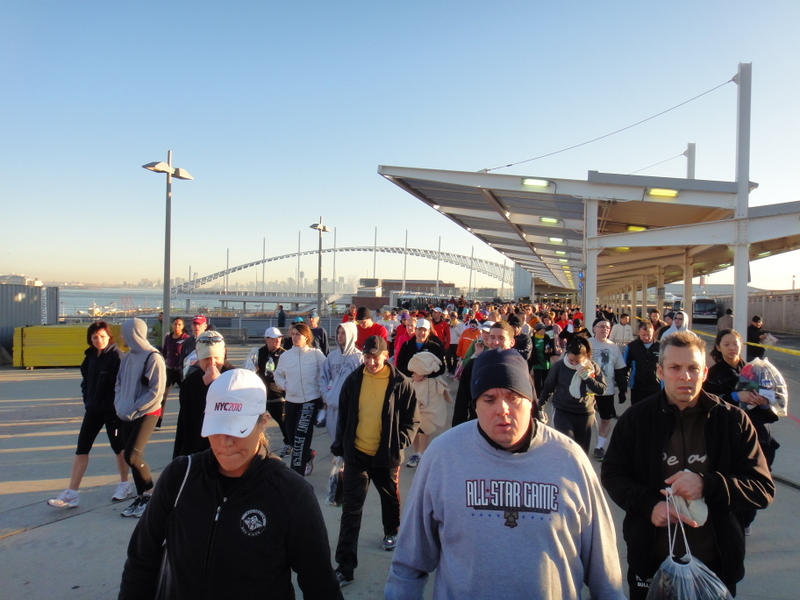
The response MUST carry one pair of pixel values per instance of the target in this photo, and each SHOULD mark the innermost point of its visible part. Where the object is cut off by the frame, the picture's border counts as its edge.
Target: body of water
(73, 300)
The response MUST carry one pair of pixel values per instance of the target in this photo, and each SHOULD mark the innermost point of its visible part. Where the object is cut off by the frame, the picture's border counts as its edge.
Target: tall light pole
(321, 229)
(161, 167)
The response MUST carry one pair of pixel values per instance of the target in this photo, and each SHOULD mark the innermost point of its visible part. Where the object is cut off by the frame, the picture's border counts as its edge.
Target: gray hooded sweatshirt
(142, 374)
(339, 364)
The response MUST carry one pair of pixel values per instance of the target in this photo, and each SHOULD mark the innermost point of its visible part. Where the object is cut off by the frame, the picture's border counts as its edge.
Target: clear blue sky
(283, 111)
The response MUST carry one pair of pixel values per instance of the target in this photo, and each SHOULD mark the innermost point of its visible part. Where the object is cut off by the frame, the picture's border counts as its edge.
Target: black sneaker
(131, 510)
(389, 542)
(143, 501)
(342, 578)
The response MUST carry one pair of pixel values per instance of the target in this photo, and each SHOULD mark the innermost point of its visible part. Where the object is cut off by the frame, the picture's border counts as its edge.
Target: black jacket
(268, 377)
(242, 541)
(722, 380)
(737, 478)
(524, 345)
(399, 418)
(188, 438)
(641, 363)
(558, 381)
(408, 349)
(99, 378)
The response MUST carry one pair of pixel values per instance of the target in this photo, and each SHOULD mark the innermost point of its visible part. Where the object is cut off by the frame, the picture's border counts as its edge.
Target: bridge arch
(495, 270)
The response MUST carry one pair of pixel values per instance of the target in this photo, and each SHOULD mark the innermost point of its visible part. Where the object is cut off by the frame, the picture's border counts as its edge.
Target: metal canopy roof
(541, 227)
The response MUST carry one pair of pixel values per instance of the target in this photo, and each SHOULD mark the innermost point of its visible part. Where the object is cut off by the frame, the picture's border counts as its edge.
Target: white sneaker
(122, 492)
(66, 499)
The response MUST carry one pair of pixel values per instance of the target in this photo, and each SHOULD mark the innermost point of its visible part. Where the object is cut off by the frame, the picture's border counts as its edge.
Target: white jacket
(621, 335)
(298, 373)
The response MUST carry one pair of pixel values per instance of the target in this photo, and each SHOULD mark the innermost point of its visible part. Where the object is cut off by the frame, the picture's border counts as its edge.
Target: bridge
(495, 270)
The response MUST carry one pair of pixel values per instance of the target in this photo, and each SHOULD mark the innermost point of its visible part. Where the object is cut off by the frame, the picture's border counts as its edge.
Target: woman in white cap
(266, 361)
(210, 348)
(232, 521)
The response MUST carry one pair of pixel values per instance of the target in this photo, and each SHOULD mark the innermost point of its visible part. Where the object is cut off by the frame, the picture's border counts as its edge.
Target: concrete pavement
(48, 553)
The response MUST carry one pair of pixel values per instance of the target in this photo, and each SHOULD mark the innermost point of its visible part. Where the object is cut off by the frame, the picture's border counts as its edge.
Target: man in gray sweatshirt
(504, 507)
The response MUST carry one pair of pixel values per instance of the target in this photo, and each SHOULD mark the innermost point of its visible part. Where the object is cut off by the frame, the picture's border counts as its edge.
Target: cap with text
(234, 403)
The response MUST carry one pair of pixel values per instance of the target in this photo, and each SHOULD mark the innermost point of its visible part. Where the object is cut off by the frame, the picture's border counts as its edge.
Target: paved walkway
(48, 553)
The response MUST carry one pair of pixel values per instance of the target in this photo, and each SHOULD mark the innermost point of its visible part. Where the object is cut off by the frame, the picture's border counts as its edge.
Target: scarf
(575, 384)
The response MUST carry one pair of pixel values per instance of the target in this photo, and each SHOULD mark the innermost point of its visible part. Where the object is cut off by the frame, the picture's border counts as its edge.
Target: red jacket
(365, 332)
(442, 331)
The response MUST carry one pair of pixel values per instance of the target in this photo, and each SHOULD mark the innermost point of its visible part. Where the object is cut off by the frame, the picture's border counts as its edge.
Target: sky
(282, 113)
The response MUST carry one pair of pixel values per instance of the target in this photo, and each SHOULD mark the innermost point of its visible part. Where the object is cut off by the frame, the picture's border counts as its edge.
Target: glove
(622, 398)
(583, 374)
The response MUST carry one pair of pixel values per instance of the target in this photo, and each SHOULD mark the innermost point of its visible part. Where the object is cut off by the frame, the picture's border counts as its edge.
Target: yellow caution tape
(776, 348)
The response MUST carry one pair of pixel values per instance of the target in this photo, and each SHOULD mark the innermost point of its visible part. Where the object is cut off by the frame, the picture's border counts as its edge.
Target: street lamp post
(161, 167)
(321, 229)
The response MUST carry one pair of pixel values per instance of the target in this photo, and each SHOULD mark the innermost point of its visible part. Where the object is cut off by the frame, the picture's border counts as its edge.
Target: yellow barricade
(54, 345)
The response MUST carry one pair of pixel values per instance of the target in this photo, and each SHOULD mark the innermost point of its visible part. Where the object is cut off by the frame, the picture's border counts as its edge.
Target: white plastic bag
(333, 496)
(251, 362)
(686, 578)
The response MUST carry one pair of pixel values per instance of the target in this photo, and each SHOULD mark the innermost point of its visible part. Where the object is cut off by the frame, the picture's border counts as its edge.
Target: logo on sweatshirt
(512, 497)
(253, 522)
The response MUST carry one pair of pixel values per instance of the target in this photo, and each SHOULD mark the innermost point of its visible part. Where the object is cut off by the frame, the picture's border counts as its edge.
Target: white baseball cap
(423, 324)
(274, 333)
(234, 403)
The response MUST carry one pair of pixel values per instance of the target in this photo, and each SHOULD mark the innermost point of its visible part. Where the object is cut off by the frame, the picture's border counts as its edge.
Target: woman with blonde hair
(190, 543)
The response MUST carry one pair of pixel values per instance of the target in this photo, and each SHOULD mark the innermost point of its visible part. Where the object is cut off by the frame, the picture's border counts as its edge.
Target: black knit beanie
(504, 369)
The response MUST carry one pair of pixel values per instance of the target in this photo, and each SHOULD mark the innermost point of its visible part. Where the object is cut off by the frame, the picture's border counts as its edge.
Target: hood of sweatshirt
(673, 329)
(135, 333)
(350, 333)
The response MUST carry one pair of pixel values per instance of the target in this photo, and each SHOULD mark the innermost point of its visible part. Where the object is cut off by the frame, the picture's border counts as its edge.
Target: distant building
(13, 279)
(422, 286)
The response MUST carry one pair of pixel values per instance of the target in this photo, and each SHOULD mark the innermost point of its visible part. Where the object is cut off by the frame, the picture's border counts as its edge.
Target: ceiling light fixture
(636, 228)
(662, 193)
(535, 182)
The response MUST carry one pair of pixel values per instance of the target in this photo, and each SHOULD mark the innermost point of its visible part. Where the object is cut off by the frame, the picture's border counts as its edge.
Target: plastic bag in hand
(333, 496)
(686, 578)
(761, 376)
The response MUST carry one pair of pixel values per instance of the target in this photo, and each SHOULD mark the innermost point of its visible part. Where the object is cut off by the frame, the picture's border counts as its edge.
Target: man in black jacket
(378, 417)
(641, 361)
(268, 356)
(705, 450)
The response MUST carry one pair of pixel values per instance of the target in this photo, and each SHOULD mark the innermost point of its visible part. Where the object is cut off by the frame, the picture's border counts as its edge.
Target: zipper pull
(216, 516)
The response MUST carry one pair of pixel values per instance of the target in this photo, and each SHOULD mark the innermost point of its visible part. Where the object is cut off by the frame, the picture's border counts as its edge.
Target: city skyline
(283, 113)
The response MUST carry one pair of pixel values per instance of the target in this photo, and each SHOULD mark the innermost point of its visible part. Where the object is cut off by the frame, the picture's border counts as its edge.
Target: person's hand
(211, 374)
(583, 372)
(659, 515)
(686, 484)
(752, 398)
(417, 377)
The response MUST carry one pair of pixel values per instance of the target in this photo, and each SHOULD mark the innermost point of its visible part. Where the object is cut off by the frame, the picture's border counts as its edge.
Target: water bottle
(270, 366)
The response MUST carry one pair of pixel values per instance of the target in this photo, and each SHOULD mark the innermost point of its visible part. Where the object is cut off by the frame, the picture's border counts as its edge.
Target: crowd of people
(495, 478)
